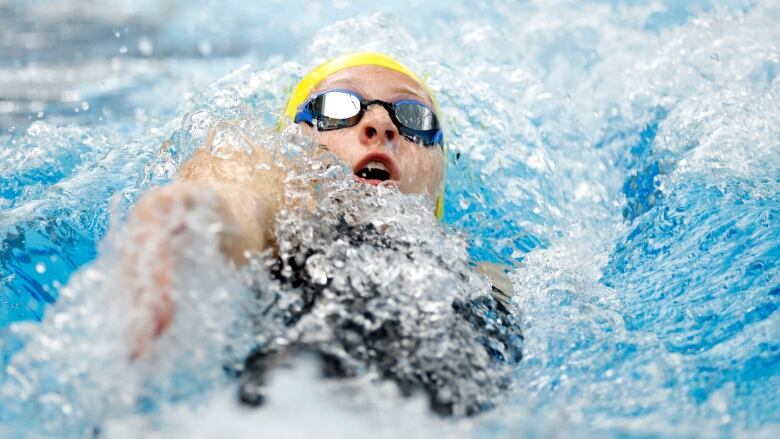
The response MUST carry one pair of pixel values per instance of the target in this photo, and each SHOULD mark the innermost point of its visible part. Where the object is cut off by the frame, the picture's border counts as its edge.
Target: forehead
(374, 82)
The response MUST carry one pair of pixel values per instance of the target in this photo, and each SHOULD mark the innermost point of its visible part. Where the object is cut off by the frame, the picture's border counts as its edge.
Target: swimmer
(372, 112)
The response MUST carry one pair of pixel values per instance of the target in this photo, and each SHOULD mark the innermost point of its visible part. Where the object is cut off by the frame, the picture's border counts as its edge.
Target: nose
(376, 127)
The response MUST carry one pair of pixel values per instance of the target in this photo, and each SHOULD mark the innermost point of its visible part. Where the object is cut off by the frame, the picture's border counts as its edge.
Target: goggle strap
(304, 115)
(439, 138)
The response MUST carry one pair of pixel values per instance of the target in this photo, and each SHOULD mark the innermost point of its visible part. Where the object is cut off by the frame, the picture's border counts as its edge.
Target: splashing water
(369, 283)
(624, 156)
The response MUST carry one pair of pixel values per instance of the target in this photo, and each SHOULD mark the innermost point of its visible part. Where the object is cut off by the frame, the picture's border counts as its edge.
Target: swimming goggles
(336, 109)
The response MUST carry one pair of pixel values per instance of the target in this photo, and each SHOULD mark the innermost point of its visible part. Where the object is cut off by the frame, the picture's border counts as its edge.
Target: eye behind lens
(416, 116)
(337, 105)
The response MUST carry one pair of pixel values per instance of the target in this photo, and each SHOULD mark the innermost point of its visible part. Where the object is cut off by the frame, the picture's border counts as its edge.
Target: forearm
(241, 195)
(246, 220)
(248, 191)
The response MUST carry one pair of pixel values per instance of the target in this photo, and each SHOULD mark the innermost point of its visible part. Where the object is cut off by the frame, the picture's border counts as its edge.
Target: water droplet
(123, 49)
(204, 48)
(40, 267)
(145, 46)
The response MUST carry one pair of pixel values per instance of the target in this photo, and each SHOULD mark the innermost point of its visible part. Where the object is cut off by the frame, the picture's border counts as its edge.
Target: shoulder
(502, 289)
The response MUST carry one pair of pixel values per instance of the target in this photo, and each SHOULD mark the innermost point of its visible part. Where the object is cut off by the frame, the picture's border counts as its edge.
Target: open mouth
(375, 169)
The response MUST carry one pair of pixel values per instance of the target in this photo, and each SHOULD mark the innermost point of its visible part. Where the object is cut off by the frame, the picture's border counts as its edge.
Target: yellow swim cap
(307, 84)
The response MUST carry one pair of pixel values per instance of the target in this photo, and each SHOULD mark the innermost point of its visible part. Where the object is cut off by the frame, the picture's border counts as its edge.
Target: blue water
(625, 156)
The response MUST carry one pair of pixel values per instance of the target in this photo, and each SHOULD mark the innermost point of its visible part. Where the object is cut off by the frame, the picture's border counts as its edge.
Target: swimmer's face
(375, 140)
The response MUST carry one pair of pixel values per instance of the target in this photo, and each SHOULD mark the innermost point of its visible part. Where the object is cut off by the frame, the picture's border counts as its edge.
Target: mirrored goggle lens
(416, 116)
(337, 105)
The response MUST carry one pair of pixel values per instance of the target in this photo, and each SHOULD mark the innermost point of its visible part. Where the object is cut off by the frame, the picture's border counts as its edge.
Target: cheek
(436, 170)
(335, 141)
(425, 169)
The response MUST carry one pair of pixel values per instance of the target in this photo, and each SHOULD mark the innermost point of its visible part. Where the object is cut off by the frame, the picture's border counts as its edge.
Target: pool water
(623, 156)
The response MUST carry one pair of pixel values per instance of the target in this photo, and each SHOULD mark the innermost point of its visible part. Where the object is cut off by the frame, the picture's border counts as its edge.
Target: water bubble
(40, 267)
(123, 50)
(204, 47)
(145, 46)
